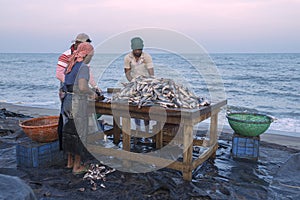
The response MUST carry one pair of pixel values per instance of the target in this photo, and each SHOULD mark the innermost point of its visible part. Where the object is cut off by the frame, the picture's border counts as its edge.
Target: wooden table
(185, 118)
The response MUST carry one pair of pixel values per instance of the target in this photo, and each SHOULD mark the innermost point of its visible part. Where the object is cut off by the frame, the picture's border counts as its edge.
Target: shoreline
(277, 137)
(27, 110)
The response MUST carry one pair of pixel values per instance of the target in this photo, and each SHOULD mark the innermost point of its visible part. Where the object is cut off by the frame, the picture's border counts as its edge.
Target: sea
(265, 83)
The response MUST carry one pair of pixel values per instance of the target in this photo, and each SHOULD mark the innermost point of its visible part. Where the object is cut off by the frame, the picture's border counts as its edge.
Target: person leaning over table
(74, 105)
(62, 63)
(138, 63)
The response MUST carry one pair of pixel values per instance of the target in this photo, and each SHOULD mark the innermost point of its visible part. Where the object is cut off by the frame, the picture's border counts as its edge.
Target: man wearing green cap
(138, 63)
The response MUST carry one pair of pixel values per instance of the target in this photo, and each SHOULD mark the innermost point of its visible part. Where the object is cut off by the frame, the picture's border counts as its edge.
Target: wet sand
(219, 178)
(30, 111)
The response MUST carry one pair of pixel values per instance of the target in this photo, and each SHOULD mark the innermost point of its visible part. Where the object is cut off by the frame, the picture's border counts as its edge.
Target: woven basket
(42, 129)
(249, 124)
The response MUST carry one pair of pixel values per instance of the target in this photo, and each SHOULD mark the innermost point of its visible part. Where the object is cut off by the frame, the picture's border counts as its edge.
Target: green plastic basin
(249, 124)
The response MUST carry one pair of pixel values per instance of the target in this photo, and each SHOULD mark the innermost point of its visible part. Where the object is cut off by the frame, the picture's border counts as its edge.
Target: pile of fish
(147, 91)
(94, 173)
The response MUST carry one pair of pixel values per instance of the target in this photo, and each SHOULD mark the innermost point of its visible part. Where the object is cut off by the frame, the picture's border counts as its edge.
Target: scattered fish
(147, 91)
(97, 172)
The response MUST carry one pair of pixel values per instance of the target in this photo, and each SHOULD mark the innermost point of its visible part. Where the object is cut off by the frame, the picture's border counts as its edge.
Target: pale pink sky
(220, 26)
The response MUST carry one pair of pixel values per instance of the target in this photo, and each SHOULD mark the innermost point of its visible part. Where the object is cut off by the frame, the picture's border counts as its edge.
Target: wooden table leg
(159, 136)
(188, 152)
(116, 128)
(213, 134)
(126, 133)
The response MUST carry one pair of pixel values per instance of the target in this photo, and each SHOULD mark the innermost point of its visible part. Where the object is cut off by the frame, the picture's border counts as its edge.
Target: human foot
(69, 166)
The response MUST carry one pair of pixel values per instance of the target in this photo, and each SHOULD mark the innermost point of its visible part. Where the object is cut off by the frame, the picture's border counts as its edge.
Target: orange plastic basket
(42, 129)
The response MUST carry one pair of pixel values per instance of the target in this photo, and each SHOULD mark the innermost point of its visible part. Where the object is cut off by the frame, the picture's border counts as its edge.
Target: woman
(74, 105)
(62, 63)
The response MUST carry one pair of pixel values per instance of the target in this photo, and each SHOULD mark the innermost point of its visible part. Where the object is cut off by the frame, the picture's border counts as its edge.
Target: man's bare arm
(128, 75)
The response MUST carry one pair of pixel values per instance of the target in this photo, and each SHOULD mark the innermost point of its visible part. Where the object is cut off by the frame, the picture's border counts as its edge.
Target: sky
(220, 26)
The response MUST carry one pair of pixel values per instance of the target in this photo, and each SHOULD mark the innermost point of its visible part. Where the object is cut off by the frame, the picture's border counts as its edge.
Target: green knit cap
(136, 43)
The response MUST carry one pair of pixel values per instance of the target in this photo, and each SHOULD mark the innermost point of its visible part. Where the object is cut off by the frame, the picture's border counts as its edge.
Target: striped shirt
(63, 62)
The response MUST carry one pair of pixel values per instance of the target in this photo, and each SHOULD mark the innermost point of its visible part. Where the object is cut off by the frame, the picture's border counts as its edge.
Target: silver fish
(165, 92)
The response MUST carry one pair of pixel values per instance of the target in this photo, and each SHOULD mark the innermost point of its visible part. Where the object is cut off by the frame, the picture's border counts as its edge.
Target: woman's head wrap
(82, 51)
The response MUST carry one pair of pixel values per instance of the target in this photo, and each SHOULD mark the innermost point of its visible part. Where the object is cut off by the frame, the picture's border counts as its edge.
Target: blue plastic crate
(245, 147)
(34, 154)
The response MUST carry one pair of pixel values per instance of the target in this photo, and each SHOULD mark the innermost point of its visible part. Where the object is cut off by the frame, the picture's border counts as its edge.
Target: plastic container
(244, 147)
(33, 154)
(249, 124)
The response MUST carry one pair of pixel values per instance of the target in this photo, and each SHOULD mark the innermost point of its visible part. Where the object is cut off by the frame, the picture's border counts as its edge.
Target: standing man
(138, 63)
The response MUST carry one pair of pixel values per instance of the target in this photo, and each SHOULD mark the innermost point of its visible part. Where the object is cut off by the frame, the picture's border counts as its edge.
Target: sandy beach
(222, 178)
(284, 140)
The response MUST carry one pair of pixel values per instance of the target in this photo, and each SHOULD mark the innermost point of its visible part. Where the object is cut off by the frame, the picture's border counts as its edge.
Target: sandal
(82, 171)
